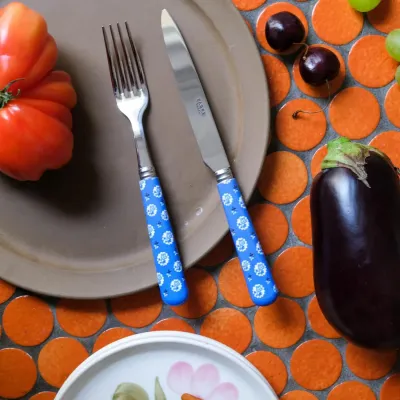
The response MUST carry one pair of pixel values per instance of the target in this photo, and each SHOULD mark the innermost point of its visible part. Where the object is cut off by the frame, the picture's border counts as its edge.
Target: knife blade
(252, 259)
(193, 96)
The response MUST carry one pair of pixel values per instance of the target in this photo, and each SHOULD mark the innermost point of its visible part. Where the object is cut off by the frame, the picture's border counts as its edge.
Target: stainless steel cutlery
(132, 96)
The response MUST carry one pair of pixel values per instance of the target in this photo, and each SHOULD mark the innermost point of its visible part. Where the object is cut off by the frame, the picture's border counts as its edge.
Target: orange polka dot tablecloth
(42, 340)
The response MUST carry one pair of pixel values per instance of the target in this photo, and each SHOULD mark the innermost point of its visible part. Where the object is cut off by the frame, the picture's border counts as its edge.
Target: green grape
(397, 76)
(364, 5)
(393, 44)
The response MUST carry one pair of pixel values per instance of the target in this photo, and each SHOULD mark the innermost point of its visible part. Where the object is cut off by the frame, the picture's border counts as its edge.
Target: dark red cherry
(283, 30)
(318, 65)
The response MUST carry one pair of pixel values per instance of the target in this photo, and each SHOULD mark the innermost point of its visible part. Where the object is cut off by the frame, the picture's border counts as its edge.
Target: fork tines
(126, 70)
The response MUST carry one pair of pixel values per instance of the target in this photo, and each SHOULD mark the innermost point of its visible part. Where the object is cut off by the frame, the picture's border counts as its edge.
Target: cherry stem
(306, 46)
(296, 113)
(6, 96)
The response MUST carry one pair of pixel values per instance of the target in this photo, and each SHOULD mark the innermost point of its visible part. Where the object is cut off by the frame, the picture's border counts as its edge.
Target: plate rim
(165, 337)
(23, 271)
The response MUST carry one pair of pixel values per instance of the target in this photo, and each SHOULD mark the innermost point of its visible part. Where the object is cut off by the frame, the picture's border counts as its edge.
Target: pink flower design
(203, 383)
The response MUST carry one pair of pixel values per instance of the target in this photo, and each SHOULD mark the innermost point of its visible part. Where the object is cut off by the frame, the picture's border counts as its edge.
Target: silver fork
(132, 96)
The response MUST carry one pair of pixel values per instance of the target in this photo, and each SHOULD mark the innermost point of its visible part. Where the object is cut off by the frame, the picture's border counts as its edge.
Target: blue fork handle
(255, 267)
(170, 274)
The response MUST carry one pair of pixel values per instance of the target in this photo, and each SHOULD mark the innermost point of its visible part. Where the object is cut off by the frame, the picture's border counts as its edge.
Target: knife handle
(170, 274)
(255, 267)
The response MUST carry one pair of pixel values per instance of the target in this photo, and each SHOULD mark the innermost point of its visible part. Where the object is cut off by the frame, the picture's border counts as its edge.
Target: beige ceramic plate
(81, 232)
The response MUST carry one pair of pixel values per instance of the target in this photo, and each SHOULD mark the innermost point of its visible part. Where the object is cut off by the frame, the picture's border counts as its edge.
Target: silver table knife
(252, 259)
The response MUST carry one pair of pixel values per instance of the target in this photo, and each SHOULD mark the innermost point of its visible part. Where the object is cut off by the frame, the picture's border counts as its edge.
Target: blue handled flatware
(132, 97)
(252, 259)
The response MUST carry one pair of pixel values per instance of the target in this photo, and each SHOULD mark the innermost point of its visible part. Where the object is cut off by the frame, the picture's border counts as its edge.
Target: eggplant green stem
(6, 96)
(342, 152)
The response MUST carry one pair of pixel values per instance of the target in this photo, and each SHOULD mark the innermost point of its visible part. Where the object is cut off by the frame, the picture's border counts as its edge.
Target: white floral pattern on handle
(252, 259)
(170, 274)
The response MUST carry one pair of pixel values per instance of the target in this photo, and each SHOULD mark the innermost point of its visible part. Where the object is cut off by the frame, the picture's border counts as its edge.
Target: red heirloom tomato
(35, 101)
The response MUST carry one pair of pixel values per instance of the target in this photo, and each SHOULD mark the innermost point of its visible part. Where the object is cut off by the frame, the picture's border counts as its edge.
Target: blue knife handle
(255, 267)
(170, 273)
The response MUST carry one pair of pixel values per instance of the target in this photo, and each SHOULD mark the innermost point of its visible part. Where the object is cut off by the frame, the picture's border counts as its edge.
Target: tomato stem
(6, 96)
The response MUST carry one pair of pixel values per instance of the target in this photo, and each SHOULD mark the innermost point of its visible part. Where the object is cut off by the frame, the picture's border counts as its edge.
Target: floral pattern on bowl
(204, 383)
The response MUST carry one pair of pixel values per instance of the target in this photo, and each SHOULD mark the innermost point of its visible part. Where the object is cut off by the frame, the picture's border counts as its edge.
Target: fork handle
(256, 271)
(170, 274)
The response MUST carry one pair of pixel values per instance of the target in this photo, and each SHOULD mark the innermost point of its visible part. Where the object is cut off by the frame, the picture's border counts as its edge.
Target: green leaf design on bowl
(130, 391)
(159, 393)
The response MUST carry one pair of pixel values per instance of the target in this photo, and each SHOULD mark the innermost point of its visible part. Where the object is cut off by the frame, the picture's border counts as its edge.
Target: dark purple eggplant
(355, 208)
